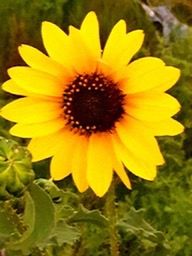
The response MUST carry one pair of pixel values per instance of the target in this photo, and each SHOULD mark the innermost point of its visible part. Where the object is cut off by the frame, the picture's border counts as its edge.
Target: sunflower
(94, 112)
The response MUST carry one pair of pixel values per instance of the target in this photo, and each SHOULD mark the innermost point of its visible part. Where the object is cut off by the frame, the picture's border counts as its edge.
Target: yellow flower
(93, 111)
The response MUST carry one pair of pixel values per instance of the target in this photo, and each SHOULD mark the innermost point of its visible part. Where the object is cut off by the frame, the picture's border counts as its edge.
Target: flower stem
(111, 214)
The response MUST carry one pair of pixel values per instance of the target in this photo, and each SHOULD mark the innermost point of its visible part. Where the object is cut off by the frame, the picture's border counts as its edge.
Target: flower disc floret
(93, 103)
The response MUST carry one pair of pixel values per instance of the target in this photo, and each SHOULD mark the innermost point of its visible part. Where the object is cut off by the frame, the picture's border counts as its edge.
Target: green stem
(111, 214)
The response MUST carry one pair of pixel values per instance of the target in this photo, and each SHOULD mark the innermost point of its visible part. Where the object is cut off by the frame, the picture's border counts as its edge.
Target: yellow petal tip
(11, 71)
(175, 72)
(47, 25)
(91, 13)
(22, 46)
(121, 23)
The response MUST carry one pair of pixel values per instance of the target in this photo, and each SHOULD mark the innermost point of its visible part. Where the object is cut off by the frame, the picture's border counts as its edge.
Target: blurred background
(155, 218)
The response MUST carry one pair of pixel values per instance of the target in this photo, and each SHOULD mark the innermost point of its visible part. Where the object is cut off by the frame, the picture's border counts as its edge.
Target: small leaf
(84, 215)
(65, 233)
(135, 224)
(39, 217)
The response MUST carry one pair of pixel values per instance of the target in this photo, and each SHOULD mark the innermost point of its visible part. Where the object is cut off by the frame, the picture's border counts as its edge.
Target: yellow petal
(90, 32)
(164, 127)
(173, 76)
(115, 38)
(46, 146)
(139, 140)
(82, 57)
(132, 44)
(31, 110)
(121, 47)
(37, 130)
(119, 169)
(11, 87)
(142, 77)
(62, 160)
(79, 163)
(141, 66)
(40, 61)
(56, 43)
(138, 166)
(144, 65)
(36, 81)
(151, 106)
(99, 169)
(125, 51)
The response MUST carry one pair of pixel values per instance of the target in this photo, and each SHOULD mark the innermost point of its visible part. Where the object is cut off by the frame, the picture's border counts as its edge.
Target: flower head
(94, 112)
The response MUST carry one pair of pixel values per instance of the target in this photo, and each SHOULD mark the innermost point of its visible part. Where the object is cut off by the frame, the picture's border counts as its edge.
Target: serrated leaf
(6, 226)
(39, 217)
(65, 233)
(93, 216)
(134, 223)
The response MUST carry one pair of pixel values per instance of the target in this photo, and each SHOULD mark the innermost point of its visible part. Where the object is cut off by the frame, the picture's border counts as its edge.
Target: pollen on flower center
(93, 103)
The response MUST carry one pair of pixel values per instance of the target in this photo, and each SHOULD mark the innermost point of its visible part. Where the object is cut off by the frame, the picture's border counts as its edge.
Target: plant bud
(15, 168)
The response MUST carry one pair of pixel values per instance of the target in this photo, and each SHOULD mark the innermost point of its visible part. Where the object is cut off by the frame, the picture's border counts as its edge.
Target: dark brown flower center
(93, 103)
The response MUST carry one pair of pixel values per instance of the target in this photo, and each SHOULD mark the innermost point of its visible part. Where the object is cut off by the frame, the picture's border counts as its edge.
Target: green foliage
(7, 228)
(21, 24)
(84, 215)
(43, 223)
(133, 226)
(39, 224)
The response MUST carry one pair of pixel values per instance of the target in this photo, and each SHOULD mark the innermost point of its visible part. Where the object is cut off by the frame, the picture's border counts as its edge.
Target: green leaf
(135, 224)
(64, 233)
(39, 217)
(93, 217)
(6, 226)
